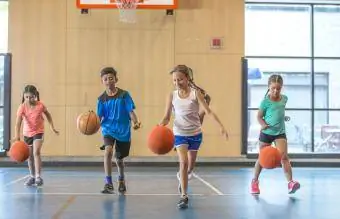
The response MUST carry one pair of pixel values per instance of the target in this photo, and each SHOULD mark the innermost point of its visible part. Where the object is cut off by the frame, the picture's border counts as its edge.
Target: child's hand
(54, 130)
(224, 133)
(137, 125)
(15, 139)
(164, 122)
(265, 126)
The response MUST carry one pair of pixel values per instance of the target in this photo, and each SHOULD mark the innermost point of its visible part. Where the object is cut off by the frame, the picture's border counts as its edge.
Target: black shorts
(122, 148)
(265, 138)
(29, 140)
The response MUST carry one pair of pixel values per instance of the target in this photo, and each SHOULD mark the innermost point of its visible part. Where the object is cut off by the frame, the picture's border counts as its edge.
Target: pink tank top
(33, 120)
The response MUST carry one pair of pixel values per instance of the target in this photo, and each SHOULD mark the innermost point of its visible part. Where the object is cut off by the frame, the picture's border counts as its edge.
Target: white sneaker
(190, 175)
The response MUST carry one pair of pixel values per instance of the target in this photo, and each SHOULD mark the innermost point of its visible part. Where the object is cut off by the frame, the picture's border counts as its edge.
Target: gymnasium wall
(61, 52)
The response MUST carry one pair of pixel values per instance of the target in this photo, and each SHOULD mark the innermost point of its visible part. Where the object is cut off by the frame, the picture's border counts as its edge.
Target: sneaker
(121, 186)
(293, 186)
(30, 181)
(183, 202)
(179, 188)
(39, 181)
(108, 189)
(255, 189)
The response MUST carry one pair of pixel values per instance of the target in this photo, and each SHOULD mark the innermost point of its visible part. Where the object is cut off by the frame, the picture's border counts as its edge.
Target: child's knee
(108, 151)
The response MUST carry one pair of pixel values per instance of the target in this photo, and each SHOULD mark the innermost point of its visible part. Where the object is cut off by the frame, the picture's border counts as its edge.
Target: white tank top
(187, 121)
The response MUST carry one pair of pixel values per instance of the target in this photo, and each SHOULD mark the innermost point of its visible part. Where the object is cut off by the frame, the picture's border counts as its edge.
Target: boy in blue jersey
(115, 109)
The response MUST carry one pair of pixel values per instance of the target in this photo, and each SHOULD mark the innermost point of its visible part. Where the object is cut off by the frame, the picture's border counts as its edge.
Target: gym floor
(214, 192)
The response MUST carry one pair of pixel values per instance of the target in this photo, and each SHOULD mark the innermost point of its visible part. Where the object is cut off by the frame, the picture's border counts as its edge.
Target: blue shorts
(193, 142)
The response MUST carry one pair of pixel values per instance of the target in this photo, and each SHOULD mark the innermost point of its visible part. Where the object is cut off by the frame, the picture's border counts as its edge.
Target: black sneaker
(183, 202)
(39, 181)
(108, 189)
(121, 186)
(30, 181)
(102, 148)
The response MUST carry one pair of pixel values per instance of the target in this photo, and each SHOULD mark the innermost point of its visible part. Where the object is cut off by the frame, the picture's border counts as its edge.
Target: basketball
(19, 151)
(88, 123)
(161, 140)
(270, 157)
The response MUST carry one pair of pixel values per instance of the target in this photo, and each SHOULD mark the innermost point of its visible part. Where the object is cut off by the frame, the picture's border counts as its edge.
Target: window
(3, 74)
(278, 30)
(3, 26)
(301, 43)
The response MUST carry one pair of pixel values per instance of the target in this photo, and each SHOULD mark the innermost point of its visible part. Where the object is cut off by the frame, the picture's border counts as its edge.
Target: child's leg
(122, 150)
(194, 145)
(255, 189)
(31, 180)
(192, 155)
(182, 151)
(30, 161)
(108, 154)
(257, 167)
(281, 144)
(37, 144)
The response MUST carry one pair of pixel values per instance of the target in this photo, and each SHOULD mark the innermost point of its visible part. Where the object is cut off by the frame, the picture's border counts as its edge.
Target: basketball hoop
(127, 10)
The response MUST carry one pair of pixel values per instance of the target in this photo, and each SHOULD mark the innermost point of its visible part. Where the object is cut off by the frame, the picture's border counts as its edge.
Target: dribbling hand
(137, 125)
(224, 133)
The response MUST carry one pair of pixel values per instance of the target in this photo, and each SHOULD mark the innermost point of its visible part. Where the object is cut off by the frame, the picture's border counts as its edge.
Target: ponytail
(37, 95)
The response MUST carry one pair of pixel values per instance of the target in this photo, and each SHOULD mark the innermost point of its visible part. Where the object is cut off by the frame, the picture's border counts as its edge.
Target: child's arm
(168, 109)
(202, 112)
(260, 119)
(18, 122)
(50, 120)
(209, 112)
(135, 120)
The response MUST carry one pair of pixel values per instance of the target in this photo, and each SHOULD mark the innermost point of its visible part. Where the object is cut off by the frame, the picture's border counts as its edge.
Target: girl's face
(109, 80)
(275, 89)
(180, 80)
(30, 98)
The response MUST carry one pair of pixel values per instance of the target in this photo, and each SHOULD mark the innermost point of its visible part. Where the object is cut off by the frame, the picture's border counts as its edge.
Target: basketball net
(127, 10)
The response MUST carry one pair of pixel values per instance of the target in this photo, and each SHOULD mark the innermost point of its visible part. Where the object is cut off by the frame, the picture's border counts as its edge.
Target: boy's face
(109, 80)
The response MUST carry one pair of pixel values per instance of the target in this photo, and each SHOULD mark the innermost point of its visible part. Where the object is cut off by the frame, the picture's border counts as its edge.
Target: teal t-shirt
(274, 115)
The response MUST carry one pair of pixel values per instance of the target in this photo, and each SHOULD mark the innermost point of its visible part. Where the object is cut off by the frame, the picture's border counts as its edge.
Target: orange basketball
(19, 151)
(161, 140)
(88, 123)
(270, 157)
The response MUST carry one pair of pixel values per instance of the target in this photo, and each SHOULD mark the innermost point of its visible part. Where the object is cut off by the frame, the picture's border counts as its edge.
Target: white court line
(93, 194)
(208, 184)
(15, 181)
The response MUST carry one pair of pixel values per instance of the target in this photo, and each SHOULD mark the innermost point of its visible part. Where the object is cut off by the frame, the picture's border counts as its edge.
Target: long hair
(30, 89)
(189, 74)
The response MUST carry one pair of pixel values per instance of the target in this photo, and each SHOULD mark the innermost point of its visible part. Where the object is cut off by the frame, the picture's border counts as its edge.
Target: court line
(16, 181)
(96, 194)
(64, 207)
(208, 184)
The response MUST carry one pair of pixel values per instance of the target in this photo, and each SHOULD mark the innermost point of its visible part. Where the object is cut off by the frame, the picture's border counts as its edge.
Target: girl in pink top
(30, 112)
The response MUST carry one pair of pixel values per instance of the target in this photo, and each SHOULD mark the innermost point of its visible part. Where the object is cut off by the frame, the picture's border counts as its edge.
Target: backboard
(146, 4)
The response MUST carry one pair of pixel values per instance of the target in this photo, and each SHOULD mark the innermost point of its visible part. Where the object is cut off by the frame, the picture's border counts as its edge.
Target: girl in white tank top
(185, 103)
(186, 111)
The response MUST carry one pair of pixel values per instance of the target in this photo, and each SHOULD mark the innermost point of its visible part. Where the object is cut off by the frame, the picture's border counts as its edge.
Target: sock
(120, 178)
(108, 179)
